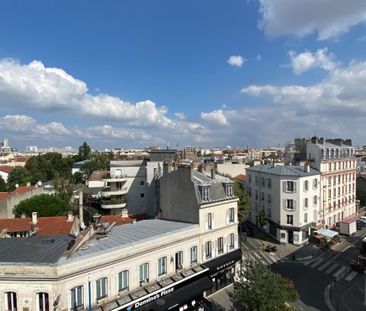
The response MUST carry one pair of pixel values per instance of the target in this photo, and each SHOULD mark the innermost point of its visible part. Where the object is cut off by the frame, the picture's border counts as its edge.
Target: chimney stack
(70, 217)
(81, 210)
(34, 218)
(307, 168)
(213, 173)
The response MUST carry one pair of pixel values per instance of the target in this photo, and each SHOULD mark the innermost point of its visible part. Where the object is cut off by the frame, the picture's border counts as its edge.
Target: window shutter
(295, 186)
(284, 186)
(213, 220)
(294, 204)
(206, 221)
(284, 203)
(227, 215)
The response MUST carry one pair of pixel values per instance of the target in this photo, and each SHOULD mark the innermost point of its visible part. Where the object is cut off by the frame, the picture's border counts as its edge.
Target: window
(123, 280)
(315, 200)
(329, 194)
(229, 190)
(179, 260)
(262, 181)
(193, 254)
(315, 183)
(231, 241)
(10, 301)
(43, 303)
(250, 178)
(269, 183)
(256, 194)
(208, 249)
(144, 273)
(290, 219)
(162, 266)
(305, 217)
(289, 186)
(209, 221)
(220, 245)
(204, 193)
(262, 195)
(77, 297)
(290, 204)
(306, 185)
(306, 203)
(142, 183)
(256, 180)
(269, 198)
(142, 195)
(101, 285)
(231, 214)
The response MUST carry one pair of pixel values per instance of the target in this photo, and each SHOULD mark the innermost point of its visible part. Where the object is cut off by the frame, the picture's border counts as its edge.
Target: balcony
(113, 203)
(108, 192)
(115, 178)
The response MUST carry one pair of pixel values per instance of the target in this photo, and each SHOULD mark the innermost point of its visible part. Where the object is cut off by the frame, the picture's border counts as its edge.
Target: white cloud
(236, 60)
(180, 115)
(327, 18)
(307, 60)
(258, 57)
(216, 116)
(40, 87)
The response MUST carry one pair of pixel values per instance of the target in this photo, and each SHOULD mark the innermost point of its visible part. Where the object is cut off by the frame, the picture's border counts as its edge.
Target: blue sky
(200, 73)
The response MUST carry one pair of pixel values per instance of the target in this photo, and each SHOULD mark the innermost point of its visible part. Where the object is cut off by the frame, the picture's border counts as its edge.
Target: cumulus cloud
(236, 60)
(216, 116)
(306, 60)
(37, 86)
(327, 18)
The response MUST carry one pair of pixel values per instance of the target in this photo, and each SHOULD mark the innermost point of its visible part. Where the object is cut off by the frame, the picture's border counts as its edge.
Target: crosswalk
(337, 270)
(265, 258)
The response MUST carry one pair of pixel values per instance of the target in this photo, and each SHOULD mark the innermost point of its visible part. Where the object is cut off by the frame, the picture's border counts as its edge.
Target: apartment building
(335, 160)
(206, 199)
(284, 200)
(148, 265)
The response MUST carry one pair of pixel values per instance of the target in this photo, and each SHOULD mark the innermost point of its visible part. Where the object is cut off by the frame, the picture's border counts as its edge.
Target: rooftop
(6, 168)
(46, 226)
(40, 250)
(19, 190)
(98, 175)
(131, 234)
(284, 170)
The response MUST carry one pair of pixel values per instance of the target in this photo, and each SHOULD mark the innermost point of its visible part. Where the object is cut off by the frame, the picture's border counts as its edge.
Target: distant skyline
(202, 73)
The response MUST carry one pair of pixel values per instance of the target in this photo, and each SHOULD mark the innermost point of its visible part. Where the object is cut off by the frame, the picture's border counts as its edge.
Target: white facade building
(284, 200)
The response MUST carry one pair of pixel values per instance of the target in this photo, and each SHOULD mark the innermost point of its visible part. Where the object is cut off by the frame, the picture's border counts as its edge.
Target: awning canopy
(327, 233)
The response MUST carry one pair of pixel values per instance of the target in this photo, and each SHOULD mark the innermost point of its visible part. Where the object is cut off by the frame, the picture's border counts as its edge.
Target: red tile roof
(122, 220)
(45, 226)
(21, 189)
(240, 178)
(6, 168)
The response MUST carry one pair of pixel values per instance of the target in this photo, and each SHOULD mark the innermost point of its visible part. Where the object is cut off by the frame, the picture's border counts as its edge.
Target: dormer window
(229, 190)
(205, 193)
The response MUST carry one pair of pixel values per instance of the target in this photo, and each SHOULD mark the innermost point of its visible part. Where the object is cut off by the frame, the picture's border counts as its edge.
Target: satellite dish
(39, 183)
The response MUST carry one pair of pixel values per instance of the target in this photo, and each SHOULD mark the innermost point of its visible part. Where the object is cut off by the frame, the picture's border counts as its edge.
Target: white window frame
(231, 241)
(220, 245)
(10, 299)
(193, 254)
(43, 301)
(179, 260)
(123, 280)
(101, 288)
(77, 297)
(162, 265)
(144, 273)
(208, 249)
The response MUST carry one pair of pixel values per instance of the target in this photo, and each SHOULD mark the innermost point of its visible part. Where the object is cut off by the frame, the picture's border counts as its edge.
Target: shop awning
(223, 261)
(327, 233)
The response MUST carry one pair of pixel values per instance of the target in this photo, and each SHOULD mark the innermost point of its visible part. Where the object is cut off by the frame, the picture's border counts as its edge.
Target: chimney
(70, 217)
(23, 215)
(200, 168)
(124, 213)
(34, 218)
(307, 168)
(213, 173)
(81, 210)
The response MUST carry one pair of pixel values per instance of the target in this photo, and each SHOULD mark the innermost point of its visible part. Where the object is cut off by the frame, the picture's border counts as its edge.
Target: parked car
(360, 224)
(359, 264)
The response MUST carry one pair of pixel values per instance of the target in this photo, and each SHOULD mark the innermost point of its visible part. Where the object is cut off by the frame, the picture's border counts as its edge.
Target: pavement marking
(260, 258)
(316, 263)
(272, 258)
(339, 272)
(243, 245)
(351, 276)
(332, 267)
(323, 266)
(309, 262)
(349, 246)
(267, 259)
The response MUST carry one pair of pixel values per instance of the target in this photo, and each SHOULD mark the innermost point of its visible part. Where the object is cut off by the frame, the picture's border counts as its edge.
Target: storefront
(183, 291)
(222, 270)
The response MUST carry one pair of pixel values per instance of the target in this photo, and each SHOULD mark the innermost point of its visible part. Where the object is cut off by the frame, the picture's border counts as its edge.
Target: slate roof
(39, 250)
(283, 170)
(131, 234)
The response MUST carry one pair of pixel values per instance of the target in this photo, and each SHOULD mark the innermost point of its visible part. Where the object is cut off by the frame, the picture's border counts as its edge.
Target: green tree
(44, 205)
(18, 176)
(3, 185)
(259, 289)
(243, 204)
(63, 188)
(84, 152)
